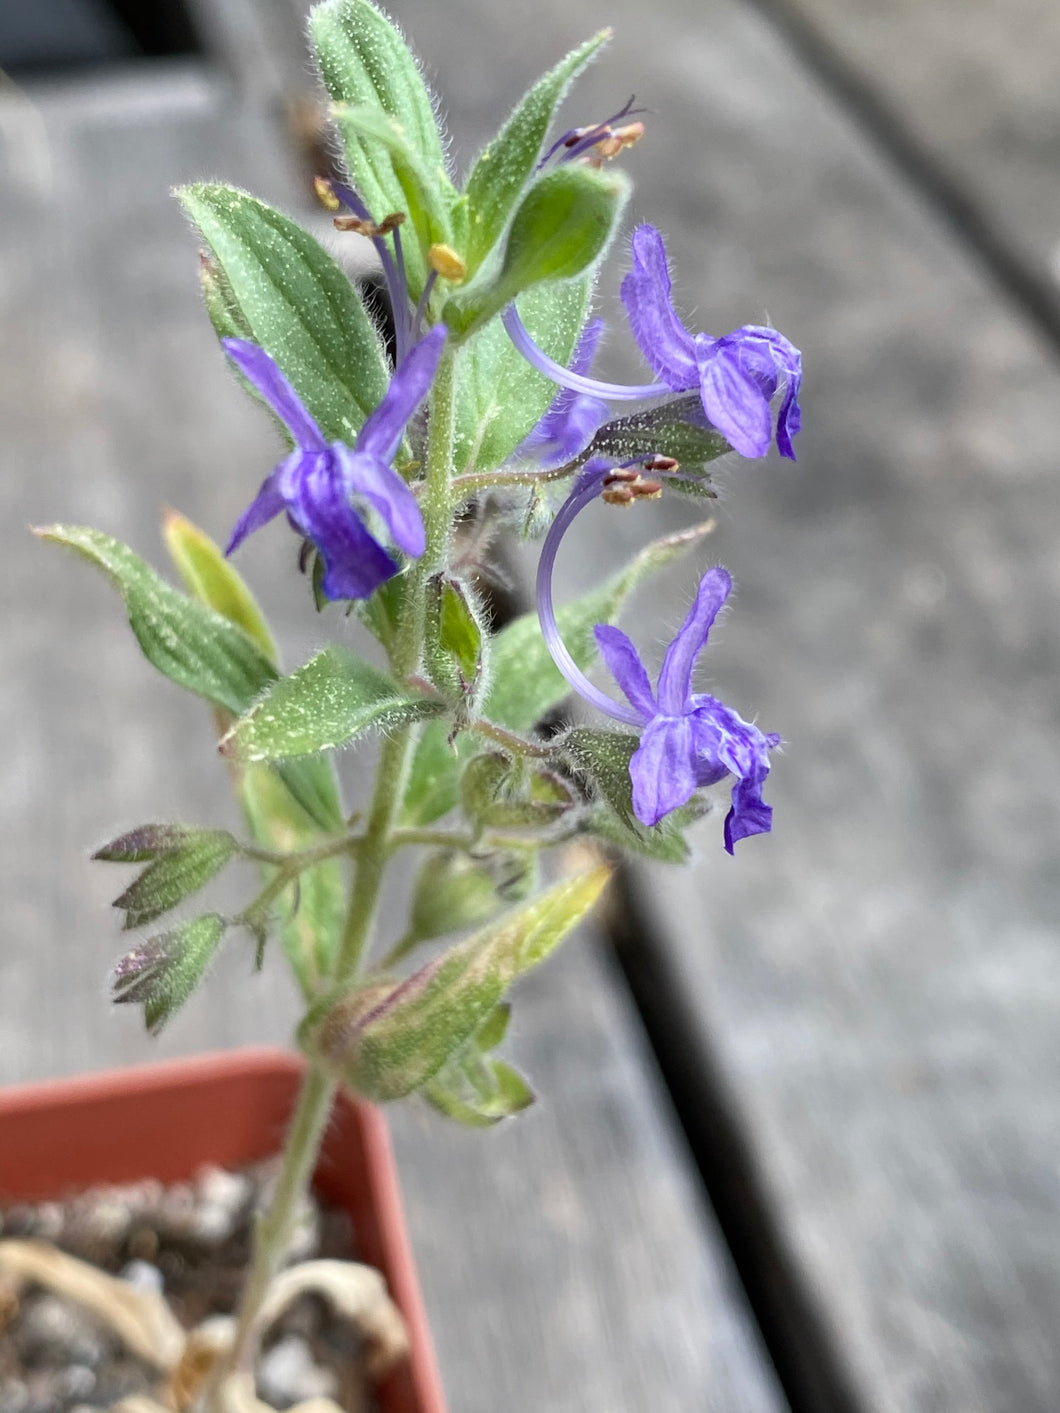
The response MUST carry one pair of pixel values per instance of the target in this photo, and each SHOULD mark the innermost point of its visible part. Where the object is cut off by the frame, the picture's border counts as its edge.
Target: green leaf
(601, 759)
(226, 316)
(527, 684)
(364, 62)
(477, 1092)
(332, 699)
(296, 303)
(174, 875)
(161, 973)
(678, 429)
(312, 912)
(563, 224)
(424, 199)
(406, 1037)
(213, 580)
(455, 640)
(500, 396)
(502, 169)
(187, 642)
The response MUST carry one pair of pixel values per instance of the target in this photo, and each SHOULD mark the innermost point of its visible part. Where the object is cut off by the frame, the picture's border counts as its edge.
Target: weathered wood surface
(880, 979)
(567, 1262)
(971, 87)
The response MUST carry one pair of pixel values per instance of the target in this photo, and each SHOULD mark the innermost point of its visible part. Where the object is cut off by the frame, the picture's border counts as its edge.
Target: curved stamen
(520, 336)
(586, 488)
(576, 140)
(393, 269)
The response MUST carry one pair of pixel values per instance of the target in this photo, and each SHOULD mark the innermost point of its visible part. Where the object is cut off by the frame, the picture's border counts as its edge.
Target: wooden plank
(966, 93)
(569, 1251)
(878, 981)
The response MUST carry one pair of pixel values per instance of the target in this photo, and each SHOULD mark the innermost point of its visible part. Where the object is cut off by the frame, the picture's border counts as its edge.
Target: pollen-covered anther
(661, 463)
(326, 194)
(616, 140)
(617, 495)
(647, 490)
(369, 228)
(444, 261)
(620, 475)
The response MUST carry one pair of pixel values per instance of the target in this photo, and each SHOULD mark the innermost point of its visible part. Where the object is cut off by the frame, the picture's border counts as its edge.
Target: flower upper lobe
(318, 483)
(736, 376)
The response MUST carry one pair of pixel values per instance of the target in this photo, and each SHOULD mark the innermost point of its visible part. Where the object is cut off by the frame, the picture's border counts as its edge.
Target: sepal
(499, 793)
(474, 1089)
(456, 641)
(181, 861)
(161, 973)
(677, 429)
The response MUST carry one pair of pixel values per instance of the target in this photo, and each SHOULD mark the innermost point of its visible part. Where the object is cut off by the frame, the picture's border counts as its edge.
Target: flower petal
(264, 373)
(264, 507)
(381, 434)
(749, 813)
(663, 768)
(675, 679)
(625, 666)
(354, 563)
(665, 342)
(572, 419)
(387, 493)
(733, 396)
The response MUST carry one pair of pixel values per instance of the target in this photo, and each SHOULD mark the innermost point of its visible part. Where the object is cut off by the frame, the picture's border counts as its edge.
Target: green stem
(370, 860)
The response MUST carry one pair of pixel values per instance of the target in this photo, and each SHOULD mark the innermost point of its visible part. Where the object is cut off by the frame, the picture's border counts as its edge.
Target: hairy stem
(371, 853)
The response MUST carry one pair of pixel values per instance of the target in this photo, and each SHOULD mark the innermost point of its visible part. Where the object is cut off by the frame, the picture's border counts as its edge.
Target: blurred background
(798, 1139)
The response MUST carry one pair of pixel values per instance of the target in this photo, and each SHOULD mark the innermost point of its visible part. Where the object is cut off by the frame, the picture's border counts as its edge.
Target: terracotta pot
(165, 1120)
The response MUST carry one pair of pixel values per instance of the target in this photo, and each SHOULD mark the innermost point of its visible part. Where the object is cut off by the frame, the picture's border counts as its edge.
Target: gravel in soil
(190, 1241)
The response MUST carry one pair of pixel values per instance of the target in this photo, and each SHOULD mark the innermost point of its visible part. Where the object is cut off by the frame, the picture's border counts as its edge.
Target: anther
(621, 475)
(617, 495)
(661, 463)
(444, 261)
(369, 228)
(326, 194)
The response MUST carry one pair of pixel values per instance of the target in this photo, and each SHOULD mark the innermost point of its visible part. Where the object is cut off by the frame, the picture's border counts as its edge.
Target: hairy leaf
(332, 699)
(503, 168)
(296, 303)
(187, 642)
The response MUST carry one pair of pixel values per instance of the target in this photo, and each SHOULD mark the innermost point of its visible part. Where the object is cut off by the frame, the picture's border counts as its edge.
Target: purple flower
(572, 419)
(687, 739)
(320, 485)
(736, 376)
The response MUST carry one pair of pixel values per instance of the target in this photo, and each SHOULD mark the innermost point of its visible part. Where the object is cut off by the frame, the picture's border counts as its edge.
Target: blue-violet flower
(572, 419)
(319, 484)
(687, 739)
(736, 376)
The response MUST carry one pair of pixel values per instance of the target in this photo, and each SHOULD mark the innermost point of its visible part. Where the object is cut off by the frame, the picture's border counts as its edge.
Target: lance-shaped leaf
(214, 580)
(402, 1041)
(563, 224)
(161, 973)
(187, 642)
(500, 396)
(288, 295)
(456, 640)
(365, 63)
(426, 193)
(504, 167)
(333, 699)
(601, 759)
